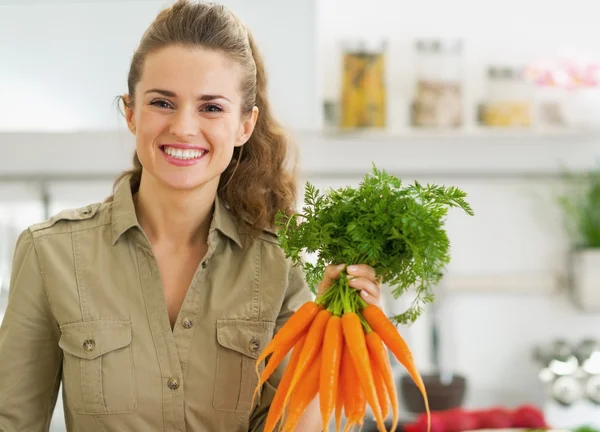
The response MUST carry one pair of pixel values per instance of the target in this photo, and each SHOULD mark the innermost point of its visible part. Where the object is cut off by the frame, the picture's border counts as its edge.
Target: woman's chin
(187, 181)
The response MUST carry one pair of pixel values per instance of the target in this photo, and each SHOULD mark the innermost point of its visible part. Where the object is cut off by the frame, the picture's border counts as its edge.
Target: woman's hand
(361, 277)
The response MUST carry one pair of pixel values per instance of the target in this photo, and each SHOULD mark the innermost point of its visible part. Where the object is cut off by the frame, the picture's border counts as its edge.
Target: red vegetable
(494, 418)
(458, 420)
(528, 416)
(437, 423)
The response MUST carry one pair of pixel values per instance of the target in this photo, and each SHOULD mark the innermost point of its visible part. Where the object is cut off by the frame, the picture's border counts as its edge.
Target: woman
(152, 307)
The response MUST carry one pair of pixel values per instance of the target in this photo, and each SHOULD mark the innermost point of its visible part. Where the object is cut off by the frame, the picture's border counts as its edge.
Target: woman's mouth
(181, 156)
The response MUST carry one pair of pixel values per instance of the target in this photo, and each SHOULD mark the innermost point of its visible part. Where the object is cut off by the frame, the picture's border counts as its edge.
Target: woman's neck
(174, 219)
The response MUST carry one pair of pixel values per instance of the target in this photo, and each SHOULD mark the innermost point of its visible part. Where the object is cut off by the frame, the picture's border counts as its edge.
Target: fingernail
(340, 267)
(364, 294)
(352, 268)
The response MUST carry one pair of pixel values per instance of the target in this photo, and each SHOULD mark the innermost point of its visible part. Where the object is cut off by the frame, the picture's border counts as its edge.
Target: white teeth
(183, 154)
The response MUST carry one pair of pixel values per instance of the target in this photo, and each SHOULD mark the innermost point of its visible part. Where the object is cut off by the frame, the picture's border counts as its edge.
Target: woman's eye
(212, 108)
(161, 103)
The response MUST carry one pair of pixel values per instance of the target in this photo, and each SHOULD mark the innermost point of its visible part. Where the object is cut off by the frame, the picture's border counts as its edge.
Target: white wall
(64, 61)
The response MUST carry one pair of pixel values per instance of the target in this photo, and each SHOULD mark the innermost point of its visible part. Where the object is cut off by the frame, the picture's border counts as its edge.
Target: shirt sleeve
(30, 358)
(297, 294)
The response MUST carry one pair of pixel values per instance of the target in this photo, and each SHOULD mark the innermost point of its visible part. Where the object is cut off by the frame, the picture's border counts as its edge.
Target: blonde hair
(261, 177)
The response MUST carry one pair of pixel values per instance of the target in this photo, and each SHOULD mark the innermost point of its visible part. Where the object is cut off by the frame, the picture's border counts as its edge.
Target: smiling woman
(188, 114)
(152, 307)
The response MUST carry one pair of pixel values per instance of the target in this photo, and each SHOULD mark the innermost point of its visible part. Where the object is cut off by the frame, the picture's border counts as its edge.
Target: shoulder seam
(46, 228)
(44, 231)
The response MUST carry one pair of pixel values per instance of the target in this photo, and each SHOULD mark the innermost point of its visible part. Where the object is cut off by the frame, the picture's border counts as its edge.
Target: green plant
(581, 208)
(396, 229)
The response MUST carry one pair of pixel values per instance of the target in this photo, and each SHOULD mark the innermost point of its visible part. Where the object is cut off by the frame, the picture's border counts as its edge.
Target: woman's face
(186, 116)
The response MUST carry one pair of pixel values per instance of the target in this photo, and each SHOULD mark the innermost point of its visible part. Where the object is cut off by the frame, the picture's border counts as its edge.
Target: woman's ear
(247, 127)
(129, 117)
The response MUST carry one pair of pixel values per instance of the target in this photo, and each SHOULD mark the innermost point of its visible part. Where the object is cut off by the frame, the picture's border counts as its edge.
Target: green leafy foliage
(396, 229)
(581, 207)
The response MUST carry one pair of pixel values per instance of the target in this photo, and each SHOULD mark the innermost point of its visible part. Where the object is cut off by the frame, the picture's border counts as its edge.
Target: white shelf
(471, 132)
(542, 284)
(473, 152)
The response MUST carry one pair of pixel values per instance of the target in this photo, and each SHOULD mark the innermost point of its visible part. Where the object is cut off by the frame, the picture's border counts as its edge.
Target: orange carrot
(333, 343)
(355, 341)
(306, 391)
(277, 405)
(339, 403)
(382, 394)
(274, 361)
(312, 346)
(360, 399)
(390, 336)
(380, 357)
(346, 382)
(355, 396)
(298, 322)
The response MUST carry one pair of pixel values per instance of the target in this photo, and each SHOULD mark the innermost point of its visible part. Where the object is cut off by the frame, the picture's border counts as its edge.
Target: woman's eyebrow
(204, 97)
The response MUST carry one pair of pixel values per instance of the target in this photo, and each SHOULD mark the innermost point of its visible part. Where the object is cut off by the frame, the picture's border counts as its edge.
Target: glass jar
(363, 92)
(438, 99)
(509, 99)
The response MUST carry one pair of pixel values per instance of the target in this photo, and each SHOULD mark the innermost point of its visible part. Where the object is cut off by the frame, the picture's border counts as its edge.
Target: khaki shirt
(86, 308)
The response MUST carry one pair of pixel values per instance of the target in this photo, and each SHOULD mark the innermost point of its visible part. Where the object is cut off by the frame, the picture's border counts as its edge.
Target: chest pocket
(240, 342)
(98, 367)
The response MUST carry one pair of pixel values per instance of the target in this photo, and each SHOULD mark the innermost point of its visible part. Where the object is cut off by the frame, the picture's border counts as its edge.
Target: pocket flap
(91, 339)
(245, 336)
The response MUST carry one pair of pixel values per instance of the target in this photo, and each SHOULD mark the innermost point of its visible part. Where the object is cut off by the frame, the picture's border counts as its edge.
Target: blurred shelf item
(438, 93)
(363, 90)
(509, 99)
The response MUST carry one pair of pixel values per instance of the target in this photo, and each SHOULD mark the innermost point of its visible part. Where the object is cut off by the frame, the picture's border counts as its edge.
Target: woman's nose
(185, 123)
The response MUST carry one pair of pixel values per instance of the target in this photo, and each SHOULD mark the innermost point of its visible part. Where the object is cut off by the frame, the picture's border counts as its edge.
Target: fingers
(362, 270)
(369, 290)
(332, 272)
(361, 277)
(364, 278)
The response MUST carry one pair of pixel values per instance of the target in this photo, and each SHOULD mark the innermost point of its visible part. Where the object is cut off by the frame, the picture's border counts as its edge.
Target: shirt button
(204, 264)
(173, 383)
(89, 345)
(187, 323)
(254, 345)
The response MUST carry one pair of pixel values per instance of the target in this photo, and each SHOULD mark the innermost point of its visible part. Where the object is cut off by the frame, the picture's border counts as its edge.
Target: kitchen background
(497, 98)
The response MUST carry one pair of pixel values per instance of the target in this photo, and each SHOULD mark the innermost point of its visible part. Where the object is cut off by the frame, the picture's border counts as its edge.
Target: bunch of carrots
(339, 344)
(339, 351)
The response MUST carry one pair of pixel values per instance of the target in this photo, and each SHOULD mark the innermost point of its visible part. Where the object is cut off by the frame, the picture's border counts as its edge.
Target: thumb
(332, 272)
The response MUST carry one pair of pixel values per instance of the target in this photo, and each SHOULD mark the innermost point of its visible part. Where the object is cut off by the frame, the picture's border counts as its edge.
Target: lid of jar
(451, 45)
(369, 45)
(439, 45)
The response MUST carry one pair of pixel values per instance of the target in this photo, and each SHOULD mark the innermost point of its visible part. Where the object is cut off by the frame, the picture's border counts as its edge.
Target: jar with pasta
(363, 93)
